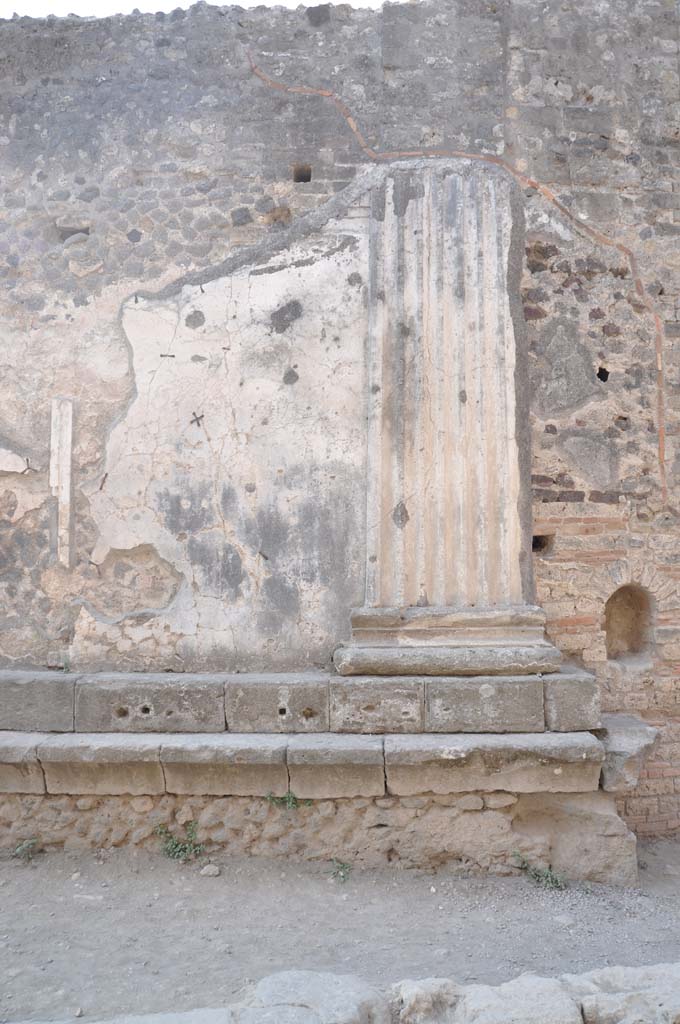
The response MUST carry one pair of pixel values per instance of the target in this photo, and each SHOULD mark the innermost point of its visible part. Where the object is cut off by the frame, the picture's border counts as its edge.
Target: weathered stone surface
(101, 764)
(225, 765)
(376, 705)
(149, 703)
(277, 703)
(446, 661)
(332, 998)
(522, 763)
(627, 741)
(20, 770)
(484, 704)
(525, 1000)
(336, 766)
(36, 701)
(572, 701)
(432, 999)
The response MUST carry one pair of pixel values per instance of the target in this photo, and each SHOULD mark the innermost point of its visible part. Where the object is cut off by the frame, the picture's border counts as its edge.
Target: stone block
(100, 764)
(277, 703)
(371, 704)
(627, 741)
(225, 765)
(486, 704)
(333, 766)
(517, 763)
(446, 660)
(36, 701)
(20, 770)
(144, 702)
(572, 701)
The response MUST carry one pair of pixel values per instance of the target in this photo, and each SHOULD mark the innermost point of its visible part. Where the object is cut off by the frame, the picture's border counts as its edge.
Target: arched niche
(628, 623)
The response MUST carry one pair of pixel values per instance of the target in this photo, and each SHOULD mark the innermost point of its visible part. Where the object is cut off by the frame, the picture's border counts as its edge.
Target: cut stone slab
(102, 764)
(517, 763)
(373, 704)
(20, 770)
(143, 702)
(446, 660)
(485, 704)
(40, 701)
(333, 766)
(225, 765)
(524, 1000)
(277, 703)
(334, 998)
(627, 741)
(572, 701)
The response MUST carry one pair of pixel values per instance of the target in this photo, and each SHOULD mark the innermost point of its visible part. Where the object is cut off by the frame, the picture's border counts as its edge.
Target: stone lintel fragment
(332, 766)
(375, 704)
(484, 704)
(517, 763)
(20, 770)
(285, 702)
(448, 660)
(103, 764)
(41, 701)
(146, 702)
(225, 765)
(572, 701)
(627, 740)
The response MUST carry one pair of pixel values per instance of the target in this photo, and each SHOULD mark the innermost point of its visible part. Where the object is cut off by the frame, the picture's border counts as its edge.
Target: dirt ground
(135, 932)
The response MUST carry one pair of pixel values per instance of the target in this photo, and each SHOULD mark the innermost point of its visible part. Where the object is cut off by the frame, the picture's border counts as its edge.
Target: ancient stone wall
(211, 514)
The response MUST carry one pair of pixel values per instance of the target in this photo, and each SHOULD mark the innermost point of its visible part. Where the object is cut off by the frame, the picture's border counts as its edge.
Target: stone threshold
(309, 767)
(302, 702)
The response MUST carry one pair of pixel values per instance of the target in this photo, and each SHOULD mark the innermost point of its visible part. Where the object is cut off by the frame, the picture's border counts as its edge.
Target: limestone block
(446, 660)
(331, 766)
(225, 765)
(371, 704)
(328, 998)
(524, 1000)
(572, 701)
(41, 701)
(484, 704)
(627, 741)
(101, 764)
(277, 703)
(143, 702)
(20, 770)
(519, 763)
(586, 838)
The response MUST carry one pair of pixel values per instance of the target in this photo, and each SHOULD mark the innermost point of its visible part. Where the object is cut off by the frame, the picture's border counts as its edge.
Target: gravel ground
(123, 931)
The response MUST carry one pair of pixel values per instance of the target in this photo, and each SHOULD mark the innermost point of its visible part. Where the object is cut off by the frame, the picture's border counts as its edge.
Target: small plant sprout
(545, 877)
(289, 801)
(180, 849)
(26, 850)
(341, 871)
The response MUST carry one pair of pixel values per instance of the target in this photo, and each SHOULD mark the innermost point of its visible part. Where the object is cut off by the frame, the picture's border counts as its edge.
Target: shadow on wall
(628, 624)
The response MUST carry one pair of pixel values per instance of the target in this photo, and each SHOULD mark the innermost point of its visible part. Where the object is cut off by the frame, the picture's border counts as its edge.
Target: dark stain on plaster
(195, 319)
(188, 509)
(217, 565)
(291, 376)
(400, 516)
(285, 315)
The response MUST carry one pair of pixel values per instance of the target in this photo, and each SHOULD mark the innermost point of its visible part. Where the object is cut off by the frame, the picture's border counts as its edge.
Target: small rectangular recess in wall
(302, 173)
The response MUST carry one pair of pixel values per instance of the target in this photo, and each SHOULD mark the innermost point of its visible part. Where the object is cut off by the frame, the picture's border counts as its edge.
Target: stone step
(304, 702)
(310, 767)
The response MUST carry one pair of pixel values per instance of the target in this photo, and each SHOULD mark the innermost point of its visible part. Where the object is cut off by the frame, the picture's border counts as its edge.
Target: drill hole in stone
(542, 543)
(145, 709)
(122, 712)
(603, 374)
(283, 711)
(628, 623)
(302, 173)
